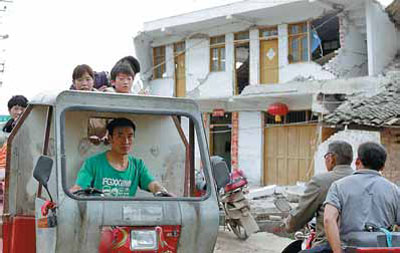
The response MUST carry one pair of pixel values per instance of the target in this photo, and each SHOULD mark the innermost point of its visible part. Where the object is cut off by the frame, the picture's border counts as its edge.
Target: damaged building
(265, 73)
(378, 115)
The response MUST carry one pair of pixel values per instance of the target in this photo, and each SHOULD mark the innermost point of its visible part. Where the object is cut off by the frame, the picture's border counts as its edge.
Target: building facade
(240, 60)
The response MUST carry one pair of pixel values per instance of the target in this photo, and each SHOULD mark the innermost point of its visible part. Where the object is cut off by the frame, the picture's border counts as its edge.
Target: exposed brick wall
(205, 120)
(206, 125)
(342, 30)
(390, 138)
(234, 140)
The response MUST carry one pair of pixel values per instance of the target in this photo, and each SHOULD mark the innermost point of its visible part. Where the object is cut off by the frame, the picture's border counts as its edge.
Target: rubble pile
(264, 210)
(394, 65)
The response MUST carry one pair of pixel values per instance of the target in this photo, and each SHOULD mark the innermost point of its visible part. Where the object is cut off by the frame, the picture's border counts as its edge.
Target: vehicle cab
(48, 147)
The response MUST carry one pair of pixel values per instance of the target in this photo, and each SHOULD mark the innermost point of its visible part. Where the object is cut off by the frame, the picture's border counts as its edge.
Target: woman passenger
(83, 78)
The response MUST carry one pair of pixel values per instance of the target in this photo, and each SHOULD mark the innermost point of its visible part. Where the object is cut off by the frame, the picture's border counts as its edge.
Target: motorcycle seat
(371, 239)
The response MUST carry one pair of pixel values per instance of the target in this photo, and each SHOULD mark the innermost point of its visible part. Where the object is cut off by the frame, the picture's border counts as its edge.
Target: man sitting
(116, 172)
(365, 197)
(337, 163)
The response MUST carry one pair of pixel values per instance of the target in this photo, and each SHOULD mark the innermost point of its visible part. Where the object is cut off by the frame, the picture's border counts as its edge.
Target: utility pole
(3, 10)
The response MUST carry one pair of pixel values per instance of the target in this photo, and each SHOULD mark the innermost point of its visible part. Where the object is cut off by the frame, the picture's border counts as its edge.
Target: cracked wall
(251, 146)
(354, 137)
(382, 38)
(391, 141)
(352, 56)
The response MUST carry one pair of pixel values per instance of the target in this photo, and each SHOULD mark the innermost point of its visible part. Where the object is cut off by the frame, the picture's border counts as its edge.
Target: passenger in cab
(123, 74)
(363, 199)
(122, 77)
(116, 172)
(83, 78)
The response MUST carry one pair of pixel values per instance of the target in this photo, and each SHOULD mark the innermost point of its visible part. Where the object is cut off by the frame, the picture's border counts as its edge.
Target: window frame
(300, 36)
(158, 62)
(220, 46)
(238, 41)
(268, 28)
(62, 142)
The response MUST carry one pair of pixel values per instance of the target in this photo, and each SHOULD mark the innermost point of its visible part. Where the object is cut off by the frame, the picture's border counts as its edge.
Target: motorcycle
(304, 238)
(233, 202)
(372, 240)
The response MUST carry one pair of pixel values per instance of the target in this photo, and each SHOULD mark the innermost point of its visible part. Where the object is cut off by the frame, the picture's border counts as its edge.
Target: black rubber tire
(238, 229)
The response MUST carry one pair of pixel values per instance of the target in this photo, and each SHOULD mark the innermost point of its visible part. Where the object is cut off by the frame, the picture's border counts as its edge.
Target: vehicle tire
(238, 229)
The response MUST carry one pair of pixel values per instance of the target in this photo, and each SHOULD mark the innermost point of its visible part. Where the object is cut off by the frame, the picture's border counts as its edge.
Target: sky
(48, 38)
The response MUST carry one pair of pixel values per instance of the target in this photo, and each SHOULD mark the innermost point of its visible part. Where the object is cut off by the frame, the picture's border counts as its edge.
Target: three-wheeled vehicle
(51, 141)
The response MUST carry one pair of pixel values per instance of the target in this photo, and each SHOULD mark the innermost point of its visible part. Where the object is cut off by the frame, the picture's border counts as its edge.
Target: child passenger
(16, 106)
(123, 74)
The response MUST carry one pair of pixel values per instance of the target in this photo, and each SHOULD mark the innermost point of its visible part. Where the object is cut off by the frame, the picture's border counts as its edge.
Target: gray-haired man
(337, 161)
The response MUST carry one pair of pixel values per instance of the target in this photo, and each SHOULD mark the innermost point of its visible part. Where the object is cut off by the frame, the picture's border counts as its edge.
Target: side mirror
(42, 170)
(220, 171)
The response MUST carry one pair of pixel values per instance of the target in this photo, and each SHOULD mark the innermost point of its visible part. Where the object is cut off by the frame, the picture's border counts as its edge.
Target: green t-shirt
(97, 172)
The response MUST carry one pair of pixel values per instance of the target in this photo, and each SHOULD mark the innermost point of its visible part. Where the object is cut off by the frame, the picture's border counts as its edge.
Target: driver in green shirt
(115, 172)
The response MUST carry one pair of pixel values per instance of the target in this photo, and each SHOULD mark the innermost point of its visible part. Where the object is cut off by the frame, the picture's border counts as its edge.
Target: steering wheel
(88, 192)
(163, 194)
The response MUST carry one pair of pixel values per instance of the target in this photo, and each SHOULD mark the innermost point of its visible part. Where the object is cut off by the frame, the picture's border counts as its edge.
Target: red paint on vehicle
(118, 238)
(19, 235)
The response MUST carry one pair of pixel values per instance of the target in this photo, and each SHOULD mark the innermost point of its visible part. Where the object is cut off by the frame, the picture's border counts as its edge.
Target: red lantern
(278, 110)
(218, 112)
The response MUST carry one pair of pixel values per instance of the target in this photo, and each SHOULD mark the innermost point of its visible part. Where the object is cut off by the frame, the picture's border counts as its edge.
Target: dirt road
(259, 242)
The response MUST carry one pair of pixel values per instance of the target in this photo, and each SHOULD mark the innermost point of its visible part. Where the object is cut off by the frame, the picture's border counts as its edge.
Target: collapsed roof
(394, 12)
(380, 110)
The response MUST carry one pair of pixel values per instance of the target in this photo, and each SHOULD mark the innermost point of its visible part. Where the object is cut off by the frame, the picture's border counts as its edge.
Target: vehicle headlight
(144, 240)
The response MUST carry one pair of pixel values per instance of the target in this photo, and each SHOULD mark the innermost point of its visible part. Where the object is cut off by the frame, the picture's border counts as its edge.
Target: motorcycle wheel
(238, 229)
(293, 247)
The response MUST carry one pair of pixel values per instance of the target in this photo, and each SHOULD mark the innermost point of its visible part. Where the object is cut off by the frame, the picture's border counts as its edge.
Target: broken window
(217, 53)
(325, 39)
(159, 62)
(242, 56)
(298, 42)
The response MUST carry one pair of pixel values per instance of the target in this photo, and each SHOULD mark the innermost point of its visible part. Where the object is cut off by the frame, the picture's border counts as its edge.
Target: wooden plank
(293, 171)
(303, 167)
(282, 173)
(327, 132)
(289, 152)
(293, 144)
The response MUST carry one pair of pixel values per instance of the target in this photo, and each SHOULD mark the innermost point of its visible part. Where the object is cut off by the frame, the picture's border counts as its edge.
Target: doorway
(220, 137)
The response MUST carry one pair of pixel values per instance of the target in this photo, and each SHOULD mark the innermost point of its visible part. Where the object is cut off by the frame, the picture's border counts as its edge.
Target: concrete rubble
(267, 215)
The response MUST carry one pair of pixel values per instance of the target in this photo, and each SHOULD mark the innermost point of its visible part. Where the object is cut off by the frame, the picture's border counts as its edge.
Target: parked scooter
(233, 202)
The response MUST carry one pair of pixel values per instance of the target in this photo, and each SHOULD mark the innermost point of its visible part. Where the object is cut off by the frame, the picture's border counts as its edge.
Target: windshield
(126, 155)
